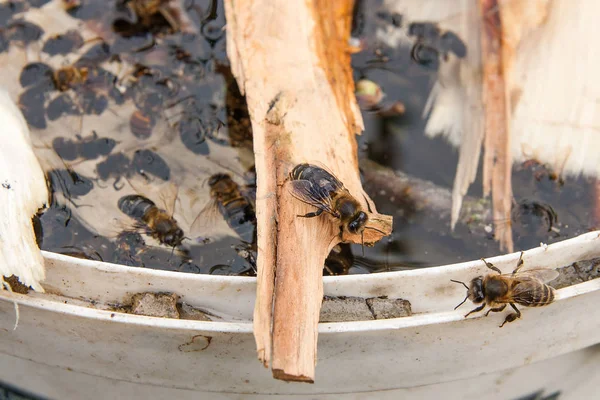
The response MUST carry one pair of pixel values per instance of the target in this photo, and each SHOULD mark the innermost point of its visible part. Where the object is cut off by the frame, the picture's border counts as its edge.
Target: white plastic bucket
(64, 348)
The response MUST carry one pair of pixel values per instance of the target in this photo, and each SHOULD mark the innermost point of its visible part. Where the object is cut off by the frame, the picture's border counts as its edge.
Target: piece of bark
(472, 111)
(23, 192)
(291, 60)
(504, 26)
(497, 160)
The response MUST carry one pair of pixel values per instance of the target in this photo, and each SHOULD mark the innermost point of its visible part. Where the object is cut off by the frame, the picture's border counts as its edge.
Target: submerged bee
(89, 148)
(233, 203)
(526, 288)
(317, 187)
(143, 15)
(145, 162)
(129, 247)
(90, 83)
(157, 222)
(63, 43)
(141, 124)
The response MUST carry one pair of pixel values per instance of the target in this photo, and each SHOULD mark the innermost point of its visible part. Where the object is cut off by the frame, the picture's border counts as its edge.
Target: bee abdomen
(539, 296)
(135, 206)
(298, 171)
(141, 124)
(544, 295)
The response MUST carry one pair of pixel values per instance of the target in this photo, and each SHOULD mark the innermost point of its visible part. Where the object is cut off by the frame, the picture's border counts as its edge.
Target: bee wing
(311, 194)
(169, 197)
(205, 218)
(250, 194)
(127, 224)
(541, 274)
(529, 292)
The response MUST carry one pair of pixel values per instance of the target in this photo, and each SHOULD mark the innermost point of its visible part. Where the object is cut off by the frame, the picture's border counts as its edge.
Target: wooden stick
(291, 59)
(497, 161)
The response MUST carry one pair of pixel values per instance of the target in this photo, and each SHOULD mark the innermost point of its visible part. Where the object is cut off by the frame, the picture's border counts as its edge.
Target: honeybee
(317, 187)
(145, 14)
(157, 222)
(233, 204)
(90, 83)
(69, 77)
(141, 124)
(527, 288)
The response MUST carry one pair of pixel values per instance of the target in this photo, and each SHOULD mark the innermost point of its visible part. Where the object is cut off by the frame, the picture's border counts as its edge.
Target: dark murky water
(399, 143)
(171, 66)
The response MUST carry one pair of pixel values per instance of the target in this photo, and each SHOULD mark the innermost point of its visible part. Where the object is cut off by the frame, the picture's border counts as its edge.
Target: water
(158, 114)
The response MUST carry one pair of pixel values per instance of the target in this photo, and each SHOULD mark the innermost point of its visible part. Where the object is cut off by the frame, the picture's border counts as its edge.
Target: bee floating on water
(527, 288)
(91, 84)
(317, 187)
(157, 222)
(233, 203)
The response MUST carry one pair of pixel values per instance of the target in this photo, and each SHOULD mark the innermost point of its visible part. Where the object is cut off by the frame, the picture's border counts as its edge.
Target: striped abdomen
(136, 206)
(533, 294)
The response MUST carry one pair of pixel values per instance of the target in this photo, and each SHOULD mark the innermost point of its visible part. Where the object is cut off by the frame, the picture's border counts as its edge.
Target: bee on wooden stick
(527, 288)
(315, 186)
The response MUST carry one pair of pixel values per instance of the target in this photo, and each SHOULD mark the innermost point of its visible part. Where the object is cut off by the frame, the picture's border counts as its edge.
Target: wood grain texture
(497, 160)
(291, 59)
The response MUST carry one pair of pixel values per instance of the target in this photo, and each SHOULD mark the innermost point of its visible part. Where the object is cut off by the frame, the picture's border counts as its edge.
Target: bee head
(216, 178)
(351, 215)
(358, 222)
(174, 237)
(475, 292)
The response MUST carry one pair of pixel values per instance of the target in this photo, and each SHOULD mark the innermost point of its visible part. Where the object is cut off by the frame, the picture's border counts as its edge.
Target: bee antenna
(462, 302)
(462, 283)
(466, 297)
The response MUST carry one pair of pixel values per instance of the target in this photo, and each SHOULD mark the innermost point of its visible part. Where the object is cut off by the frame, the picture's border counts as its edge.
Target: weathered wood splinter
(292, 61)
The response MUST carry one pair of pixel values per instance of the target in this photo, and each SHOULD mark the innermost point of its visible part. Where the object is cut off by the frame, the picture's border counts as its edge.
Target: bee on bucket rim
(527, 288)
(319, 188)
(157, 222)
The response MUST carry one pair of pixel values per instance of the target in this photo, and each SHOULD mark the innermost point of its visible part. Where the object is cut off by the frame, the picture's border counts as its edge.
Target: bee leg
(513, 316)
(497, 309)
(117, 188)
(475, 310)
(311, 214)
(519, 264)
(491, 266)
